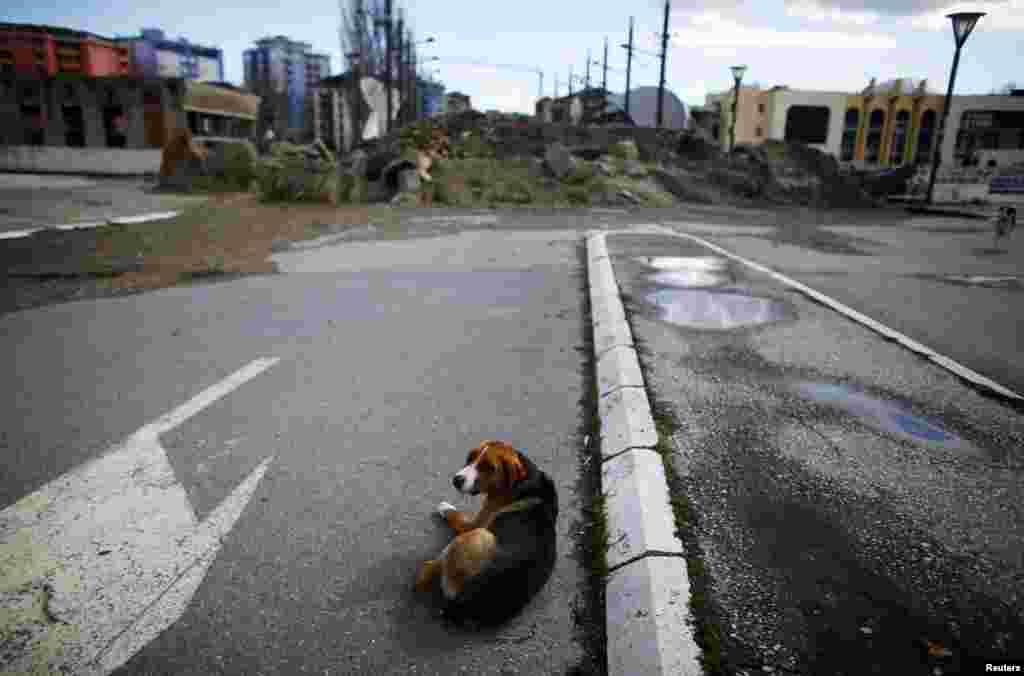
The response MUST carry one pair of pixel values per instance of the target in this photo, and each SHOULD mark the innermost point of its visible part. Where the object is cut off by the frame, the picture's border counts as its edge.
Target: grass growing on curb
(591, 545)
(706, 614)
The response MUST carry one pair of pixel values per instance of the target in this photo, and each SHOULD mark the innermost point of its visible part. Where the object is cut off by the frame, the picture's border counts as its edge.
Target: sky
(835, 45)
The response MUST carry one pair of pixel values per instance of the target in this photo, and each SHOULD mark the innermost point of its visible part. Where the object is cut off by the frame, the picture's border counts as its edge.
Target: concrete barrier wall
(61, 159)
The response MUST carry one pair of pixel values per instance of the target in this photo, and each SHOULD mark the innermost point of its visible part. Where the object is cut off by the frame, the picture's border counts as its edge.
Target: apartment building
(285, 73)
(153, 54)
(50, 50)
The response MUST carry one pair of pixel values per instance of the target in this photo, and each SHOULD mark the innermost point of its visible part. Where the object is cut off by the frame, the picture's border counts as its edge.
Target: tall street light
(963, 24)
(737, 75)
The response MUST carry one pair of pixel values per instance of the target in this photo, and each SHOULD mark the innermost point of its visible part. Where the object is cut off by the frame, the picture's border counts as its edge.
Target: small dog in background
(502, 556)
(1005, 224)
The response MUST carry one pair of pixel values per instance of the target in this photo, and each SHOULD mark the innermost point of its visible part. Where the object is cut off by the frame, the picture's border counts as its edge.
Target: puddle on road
(888, 416)
(705, 263)
(699, 309)
(688, 272)
(689, 278)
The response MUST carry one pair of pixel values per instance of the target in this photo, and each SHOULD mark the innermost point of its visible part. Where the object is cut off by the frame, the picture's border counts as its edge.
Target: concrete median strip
(649, 625)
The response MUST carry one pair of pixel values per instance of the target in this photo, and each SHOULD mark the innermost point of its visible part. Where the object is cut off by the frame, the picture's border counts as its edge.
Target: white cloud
(713, 29)
(812, 10)
(1001, 16)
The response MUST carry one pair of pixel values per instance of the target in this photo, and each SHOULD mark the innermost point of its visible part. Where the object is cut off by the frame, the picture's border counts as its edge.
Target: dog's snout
(459, 481)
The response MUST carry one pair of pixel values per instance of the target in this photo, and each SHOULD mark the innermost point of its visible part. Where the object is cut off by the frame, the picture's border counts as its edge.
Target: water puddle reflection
(698, 309)
(888, 416)
(706, 263)
(689, 278)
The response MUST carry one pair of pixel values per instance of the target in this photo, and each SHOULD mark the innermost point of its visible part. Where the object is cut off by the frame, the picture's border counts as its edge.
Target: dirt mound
(690, 166)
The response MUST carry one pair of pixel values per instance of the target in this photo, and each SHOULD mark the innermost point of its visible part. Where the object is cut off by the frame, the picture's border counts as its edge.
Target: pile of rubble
(689, 166)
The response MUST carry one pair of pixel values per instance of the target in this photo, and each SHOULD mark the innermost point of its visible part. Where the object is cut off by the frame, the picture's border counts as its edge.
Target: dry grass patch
(232, 233)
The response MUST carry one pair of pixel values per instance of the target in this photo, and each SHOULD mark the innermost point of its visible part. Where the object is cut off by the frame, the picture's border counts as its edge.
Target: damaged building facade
(110, 125)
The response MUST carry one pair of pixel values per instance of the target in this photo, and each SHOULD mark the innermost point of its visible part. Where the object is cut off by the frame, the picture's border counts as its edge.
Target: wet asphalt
(848, 502)
(396, 359)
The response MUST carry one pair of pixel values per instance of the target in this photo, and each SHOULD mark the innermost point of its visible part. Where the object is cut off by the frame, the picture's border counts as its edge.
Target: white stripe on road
(96, 563)
(947, 363)
(117, 220)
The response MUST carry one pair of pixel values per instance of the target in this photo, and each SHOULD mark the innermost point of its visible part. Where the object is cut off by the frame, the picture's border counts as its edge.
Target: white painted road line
(96, 563)
(117, 220)
(951, 365)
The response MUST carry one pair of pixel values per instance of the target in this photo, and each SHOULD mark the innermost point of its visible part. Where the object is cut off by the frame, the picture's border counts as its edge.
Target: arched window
(849, 134)
(924, 137)
(873, 145)
(899, 138)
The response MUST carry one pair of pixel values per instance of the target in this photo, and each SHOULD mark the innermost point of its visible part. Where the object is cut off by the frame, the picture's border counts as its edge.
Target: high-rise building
(285, 73)
(45, 51)
(155, 55)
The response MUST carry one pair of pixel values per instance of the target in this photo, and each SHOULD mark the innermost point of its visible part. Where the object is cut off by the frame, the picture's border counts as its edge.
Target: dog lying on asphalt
(502, 556)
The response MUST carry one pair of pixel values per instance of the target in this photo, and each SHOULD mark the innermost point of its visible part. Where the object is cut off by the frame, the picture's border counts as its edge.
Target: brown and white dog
(502, 556)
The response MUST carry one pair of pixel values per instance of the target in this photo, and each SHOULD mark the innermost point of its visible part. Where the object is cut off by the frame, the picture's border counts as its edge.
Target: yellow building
(885, 125)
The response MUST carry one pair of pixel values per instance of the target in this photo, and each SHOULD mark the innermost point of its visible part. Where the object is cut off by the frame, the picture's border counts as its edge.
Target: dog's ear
(512, 467)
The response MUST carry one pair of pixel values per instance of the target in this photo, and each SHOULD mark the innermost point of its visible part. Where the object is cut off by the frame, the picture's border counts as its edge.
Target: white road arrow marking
(96, 563)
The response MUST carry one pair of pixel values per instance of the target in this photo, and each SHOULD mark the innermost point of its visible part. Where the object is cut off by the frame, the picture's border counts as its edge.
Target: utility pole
(400, 33)
(587, 83)
(664, 56)
(556, 86)
(629, 62)
(604, 76)
(414, 89)
(570, 80)
(387, 62)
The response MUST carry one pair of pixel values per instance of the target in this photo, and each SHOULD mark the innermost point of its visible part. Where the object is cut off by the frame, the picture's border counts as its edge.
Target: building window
(34, 123)
(850, 124)
(758, 132)
(807, 124)
(74, 127)
(899, 138)
(873, 144)
(115, 125)
(760, 108)
(924, 137)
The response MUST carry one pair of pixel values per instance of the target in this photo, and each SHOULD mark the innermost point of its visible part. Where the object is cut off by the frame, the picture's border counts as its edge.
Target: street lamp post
(737, 75)
(963, 24)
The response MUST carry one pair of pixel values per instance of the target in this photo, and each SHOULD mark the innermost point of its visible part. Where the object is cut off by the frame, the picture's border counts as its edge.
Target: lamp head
(963, 24)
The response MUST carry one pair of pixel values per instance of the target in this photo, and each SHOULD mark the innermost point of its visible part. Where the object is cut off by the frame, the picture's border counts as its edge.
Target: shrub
(291, 175)
(583, 173)
(577, 195)
(240, 164)
(626, 150)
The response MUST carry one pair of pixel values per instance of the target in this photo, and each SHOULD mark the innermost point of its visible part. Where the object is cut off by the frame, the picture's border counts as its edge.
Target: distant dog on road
(502, 556)
(1005, 224)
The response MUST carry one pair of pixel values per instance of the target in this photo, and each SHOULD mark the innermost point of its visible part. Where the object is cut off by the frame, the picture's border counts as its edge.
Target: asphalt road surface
(33, 201)
(939, 280)
(854, 508)
(394, 360)
(852, 500)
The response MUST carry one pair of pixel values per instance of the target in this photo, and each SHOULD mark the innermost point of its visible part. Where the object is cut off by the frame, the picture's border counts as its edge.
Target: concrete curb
(648, 622)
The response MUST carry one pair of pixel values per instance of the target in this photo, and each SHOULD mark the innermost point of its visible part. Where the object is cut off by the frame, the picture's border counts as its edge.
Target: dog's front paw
(444, 508)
